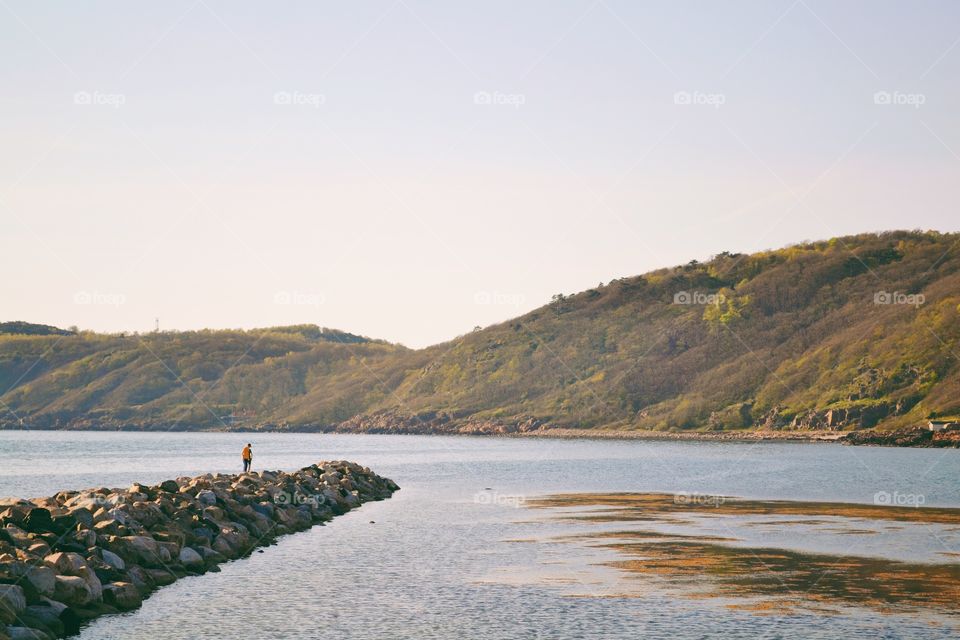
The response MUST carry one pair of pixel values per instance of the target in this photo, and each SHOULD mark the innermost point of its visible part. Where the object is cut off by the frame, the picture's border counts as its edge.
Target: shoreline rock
(78, 555)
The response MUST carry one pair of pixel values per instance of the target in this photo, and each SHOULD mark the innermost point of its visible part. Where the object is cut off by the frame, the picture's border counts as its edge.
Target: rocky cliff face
(78, 555)
(907, 437)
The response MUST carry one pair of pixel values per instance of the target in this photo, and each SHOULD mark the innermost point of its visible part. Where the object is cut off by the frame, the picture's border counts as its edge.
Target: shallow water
(445, 556)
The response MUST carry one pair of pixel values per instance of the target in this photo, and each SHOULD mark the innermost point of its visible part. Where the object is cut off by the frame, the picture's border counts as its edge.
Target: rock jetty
(81, 554)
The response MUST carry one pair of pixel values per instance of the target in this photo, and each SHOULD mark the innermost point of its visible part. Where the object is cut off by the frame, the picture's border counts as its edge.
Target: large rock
(162, 577)
(83, 515)
(141, 579)
(170, 486)
(123, 595)
(43, 579)
(18, 536)
(44, 617)
(12, 602)
(190, 558)
(72, 591)
(93, 583)
(113, 559)
(144, 548)
(38, 520)
(207, 497)
(66, 563)
(222, 546)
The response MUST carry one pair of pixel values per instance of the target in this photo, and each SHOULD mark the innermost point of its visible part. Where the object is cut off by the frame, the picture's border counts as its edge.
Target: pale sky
(408, 170)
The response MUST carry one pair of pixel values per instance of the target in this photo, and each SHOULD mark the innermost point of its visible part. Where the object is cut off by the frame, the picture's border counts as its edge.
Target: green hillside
(848, 333)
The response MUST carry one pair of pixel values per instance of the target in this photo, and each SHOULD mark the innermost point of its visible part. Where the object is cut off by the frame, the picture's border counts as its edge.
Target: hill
(848, 333)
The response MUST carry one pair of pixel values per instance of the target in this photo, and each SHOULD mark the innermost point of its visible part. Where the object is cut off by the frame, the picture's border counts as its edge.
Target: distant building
(941, 425)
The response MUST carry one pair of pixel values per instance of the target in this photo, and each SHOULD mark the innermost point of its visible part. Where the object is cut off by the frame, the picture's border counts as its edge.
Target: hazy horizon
(409, 170)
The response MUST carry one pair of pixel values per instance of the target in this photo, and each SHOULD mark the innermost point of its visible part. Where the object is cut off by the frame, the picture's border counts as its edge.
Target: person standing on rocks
(247, 455)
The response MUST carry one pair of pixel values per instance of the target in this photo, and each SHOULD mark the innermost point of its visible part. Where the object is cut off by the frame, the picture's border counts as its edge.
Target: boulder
(43, 617)
(83, 516)
(190, 558)
(140, 579)
(145, 513)
(207, 497)
(38, 520)
(17, 536)
(161, 577)
(123, 595)
(222, 546)
(168, 550)
(72, 591)
(170, 486)
(109, 527)
(12, 602)
(43, 579)
(64, 523)
(113, 559)
(144, 548)
(93, 583)
(66, 563)
(210, 557)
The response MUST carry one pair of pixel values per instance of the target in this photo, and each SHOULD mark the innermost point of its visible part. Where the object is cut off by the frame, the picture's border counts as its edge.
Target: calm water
(442, 559)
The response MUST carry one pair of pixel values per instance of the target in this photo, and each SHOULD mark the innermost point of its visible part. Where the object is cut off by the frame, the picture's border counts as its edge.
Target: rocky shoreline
(446, 423)
(81, 554)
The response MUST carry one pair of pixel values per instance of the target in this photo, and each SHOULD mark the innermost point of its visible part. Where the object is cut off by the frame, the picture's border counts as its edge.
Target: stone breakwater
(81, 554)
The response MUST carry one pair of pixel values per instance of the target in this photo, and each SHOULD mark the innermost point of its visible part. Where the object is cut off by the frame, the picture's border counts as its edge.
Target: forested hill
(849, 333)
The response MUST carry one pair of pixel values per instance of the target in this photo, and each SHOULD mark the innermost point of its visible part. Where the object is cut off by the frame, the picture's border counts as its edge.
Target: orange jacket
(247, 454)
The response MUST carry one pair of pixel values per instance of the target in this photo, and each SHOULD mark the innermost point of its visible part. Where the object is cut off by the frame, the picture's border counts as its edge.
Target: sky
(409, 170)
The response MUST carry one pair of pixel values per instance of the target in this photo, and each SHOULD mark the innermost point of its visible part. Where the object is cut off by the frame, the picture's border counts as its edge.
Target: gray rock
(72, 591)
(12, 602)
(207, 497)
(123, 595)
(67, 563)
(113, 560)
(190, 558)
(43, 579)
(143, 547)
(93, 583)
(170, 486)
(43, 617)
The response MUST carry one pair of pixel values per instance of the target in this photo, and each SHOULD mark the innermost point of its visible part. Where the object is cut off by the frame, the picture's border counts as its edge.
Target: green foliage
(726, 309)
